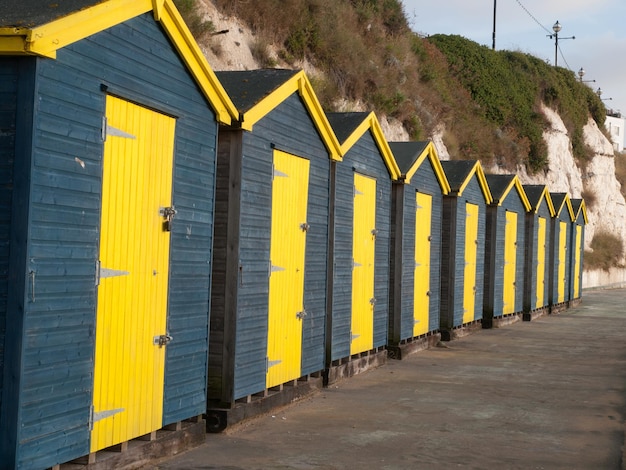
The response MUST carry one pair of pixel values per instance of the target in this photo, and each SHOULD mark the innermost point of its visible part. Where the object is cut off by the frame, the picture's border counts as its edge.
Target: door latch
(301, 315)
(168, 214)
(162, 340)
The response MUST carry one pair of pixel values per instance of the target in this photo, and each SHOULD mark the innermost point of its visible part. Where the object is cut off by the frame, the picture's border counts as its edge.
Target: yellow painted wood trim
(46, 39)
(370, 123)
(546, 195)
(482, 181)
(582, 209)
(267, 104)
(517, 184)
(190, 52)
(567, 203)
(431, 153)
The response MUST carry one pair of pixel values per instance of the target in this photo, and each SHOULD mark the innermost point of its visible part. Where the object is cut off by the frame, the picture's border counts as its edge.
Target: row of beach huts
(179, 243)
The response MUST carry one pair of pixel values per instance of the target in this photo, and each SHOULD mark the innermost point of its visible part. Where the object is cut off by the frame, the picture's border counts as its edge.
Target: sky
(599, 27)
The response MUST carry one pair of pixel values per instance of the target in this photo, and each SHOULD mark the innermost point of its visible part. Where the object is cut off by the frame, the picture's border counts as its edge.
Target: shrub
(608, 250)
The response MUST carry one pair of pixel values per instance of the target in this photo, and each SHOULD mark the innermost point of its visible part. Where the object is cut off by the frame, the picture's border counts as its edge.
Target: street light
(581, 74)
(557, 28)
(599, 93)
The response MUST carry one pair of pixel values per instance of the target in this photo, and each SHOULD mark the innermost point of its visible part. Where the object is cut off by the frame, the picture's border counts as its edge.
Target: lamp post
(581, 74)
(599, 93)
(557, 28)
(493, 45)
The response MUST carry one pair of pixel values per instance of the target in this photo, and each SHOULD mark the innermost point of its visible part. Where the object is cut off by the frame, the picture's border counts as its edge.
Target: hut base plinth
(355, 364)
(413, 345)
(461, 330)
(144, 450)
(575, 302)
(220, 416)
(534, 314)
(558, 308)
(502, 320)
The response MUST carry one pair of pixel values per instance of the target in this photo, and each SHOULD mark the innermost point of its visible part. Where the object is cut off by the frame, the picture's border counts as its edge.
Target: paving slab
(545, 394)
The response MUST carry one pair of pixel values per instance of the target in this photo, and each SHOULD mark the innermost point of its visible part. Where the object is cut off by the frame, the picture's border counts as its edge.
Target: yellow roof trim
(187, 47)
(517, 184)
(370, 123)
(46, 39)
(568, 203)
(431, 153)
(583, 209)
(546, 195)
(482, 181)
(300, 83)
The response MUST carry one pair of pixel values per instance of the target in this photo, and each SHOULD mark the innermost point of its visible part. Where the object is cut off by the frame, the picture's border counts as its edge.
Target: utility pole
(493, 46)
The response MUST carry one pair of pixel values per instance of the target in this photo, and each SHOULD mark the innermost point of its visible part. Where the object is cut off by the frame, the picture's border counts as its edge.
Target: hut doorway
(510, 262)
(562, 261)
(471, 255)
(541, 262)
(290, 189)
(363, 254)
(421, 304)
(133, 273)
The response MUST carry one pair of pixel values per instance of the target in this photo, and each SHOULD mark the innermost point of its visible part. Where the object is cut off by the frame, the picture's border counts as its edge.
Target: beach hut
(107, 146)
(269, 291)
(463, 247)
(578, 248)
(417, 207)
(504, 250)
(560, 251)
(537, 256)
(358, 279)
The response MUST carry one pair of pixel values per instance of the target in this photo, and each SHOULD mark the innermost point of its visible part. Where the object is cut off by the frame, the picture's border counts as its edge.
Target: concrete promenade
(547, 394)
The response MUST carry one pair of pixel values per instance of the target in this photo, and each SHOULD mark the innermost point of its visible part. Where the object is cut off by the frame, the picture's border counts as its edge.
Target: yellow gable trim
(190, 52)
(546, 195)
(46, 39)
(515, 183)
(482, 181)
(430, 153)
(298, 83)
(370, 123)
(568, 204)
(582, 209)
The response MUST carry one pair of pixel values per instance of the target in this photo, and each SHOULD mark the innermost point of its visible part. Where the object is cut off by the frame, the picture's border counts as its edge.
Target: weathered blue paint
(402, 277)
(540, 209)
(562, 215)
(239, 323)
(453, 254)
(578, 207)
(493, 303)
(55, 235)
(364, 158)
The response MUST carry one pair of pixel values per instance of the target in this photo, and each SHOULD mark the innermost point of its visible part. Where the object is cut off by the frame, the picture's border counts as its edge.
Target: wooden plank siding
(240, 326)
(542, 210)
(363, 158)
(453, 254)
(495, 255)
(402, 280)
(9, 72)
(562, 205)
(133, 60)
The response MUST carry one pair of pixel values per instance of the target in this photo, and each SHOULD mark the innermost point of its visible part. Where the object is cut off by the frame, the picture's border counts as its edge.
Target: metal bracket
(168, 214)
(162, 340)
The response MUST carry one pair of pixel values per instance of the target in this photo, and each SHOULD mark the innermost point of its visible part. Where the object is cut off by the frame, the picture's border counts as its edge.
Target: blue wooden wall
(531, 257)
(363, 157)
(424, 181)
(494, 248)
(52, 391)
(453, 255)
(289, 128)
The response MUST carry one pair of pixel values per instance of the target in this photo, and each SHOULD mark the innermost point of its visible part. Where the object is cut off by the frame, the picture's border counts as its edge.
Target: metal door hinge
(168, 214)
(95, 416)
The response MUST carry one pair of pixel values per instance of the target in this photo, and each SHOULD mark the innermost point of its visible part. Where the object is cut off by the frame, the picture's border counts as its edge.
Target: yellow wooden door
(576, 287)
(363, 253)
(290, 191)
(469, 274)
(421, 288)
(510, 263)
(561, 261)
(133, 274)
(541, 262)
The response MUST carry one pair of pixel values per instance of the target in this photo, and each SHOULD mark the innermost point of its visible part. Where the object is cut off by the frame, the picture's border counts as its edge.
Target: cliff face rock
(606, 209)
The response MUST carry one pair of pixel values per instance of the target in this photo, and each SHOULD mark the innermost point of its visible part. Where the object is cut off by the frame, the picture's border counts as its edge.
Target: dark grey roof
(31, 13)
(533, 193)
(246, 88)
(576, 203)
(407, 153)
(498, 184)
(457, 171)
(557, 200)
(344, 124)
